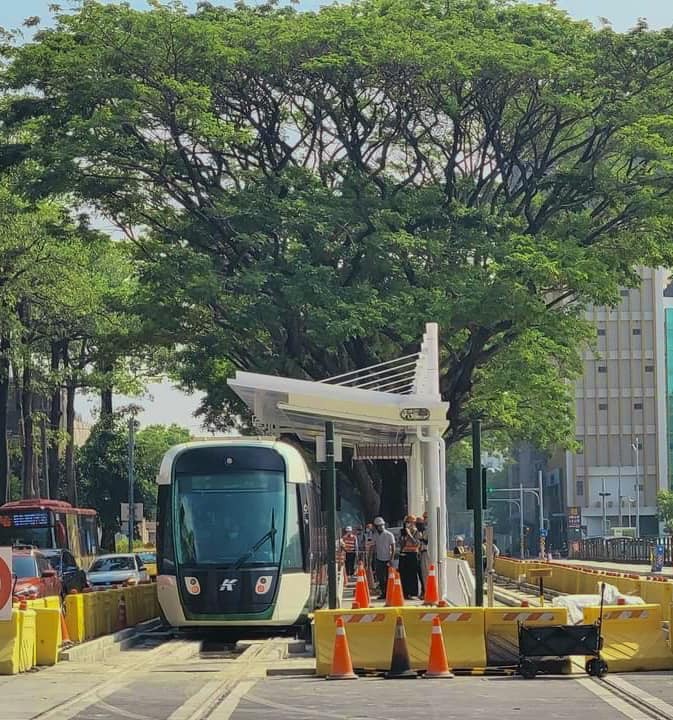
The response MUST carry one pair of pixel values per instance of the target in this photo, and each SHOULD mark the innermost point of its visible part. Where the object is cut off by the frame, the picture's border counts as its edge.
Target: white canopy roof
(382, 404)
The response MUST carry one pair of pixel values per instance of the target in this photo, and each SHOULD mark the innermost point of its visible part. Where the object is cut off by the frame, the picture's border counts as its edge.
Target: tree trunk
(70, 479)
(55, 414)
(364, 481)
(106, 392)
(4, 402)
(29, 490)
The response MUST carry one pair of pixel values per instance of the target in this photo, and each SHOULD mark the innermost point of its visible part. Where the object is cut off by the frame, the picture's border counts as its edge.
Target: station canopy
(377, 410)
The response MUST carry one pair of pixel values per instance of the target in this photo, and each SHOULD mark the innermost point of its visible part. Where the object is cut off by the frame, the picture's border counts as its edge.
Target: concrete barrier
(633, 638)
(463, 631)
(501, 630)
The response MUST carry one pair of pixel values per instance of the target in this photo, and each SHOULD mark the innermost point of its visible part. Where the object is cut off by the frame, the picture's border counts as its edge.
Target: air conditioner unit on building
(597, 503)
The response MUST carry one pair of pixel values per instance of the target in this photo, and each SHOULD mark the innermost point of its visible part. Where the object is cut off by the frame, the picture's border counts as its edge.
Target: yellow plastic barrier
(48, 635)
(27, 648)
(10, 644)
(90, 615)
(463, 631)
(661, 593)
(74, 617)
(370, 636)
(633, 639)
(54, 601)
(501, 629)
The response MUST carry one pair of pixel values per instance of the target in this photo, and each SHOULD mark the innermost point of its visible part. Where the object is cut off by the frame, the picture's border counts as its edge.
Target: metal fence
(621, 549)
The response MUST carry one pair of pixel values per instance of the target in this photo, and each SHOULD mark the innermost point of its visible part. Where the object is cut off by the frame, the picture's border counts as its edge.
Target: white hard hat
(348, 528)
(379, 521)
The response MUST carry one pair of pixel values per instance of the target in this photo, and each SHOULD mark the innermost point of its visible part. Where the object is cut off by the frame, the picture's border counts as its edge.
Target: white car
(120, 569)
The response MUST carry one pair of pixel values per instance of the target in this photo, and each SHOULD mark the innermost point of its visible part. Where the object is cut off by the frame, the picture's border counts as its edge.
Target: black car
(72, 576)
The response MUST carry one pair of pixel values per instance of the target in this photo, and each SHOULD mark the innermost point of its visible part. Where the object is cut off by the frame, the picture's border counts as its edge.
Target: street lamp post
(603, 495)
(637, 447)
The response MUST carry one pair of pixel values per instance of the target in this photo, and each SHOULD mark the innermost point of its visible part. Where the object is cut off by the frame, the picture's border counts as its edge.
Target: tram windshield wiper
(270, 534)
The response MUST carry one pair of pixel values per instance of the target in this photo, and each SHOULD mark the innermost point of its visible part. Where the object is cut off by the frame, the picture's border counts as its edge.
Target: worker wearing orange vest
(349, 543)
(410, 546)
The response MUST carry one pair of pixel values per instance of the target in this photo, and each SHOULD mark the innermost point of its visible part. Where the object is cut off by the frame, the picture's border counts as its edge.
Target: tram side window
(165, 549)
(293, 557)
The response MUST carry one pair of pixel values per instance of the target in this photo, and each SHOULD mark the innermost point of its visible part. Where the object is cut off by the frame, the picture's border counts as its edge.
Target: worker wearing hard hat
(384, 552)
(349, 544)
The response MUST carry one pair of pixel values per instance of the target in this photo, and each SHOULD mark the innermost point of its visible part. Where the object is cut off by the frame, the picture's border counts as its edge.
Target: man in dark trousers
(384, 552)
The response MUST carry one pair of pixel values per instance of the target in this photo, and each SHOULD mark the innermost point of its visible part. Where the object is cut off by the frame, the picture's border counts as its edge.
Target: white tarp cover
(576, 603)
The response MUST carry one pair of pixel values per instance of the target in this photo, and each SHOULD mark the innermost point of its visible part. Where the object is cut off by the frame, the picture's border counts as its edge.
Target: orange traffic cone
(438, 665)
(400, 665)
(361, 590)
(361, 572)
(397, 599)
(431, 596)
(390, 587)
(121, 614)
(65, 635)
(342, 665)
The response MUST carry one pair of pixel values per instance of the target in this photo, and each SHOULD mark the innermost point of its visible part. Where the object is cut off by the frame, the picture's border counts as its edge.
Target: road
(170, 679)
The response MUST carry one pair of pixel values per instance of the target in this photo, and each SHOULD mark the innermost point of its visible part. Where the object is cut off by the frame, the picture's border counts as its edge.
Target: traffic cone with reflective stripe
(390, 587)
(400, 665)
(361, 572)
(431, 596)
(121, 614)
(397, 599)
(342, 665)
(361, 590)
(438, 664)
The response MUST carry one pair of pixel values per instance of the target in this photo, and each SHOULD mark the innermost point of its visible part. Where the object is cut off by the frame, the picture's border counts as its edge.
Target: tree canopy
(305, 189)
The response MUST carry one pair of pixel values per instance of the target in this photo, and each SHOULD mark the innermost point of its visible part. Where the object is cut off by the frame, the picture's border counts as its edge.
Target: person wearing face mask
(423, 557)
(410, 545)
(384, 552)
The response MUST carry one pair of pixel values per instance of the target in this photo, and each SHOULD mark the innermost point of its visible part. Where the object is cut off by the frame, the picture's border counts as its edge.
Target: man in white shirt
(384, 552)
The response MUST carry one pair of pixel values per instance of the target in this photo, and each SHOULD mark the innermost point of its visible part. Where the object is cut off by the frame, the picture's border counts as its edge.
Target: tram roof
(383, 403)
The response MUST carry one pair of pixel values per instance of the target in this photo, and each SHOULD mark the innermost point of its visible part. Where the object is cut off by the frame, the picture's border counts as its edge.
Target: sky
(165, 404)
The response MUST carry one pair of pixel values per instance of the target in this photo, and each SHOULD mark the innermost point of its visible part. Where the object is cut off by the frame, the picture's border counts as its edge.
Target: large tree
(306, 189)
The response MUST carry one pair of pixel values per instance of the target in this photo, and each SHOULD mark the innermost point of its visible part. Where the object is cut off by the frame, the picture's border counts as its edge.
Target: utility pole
(330, 502)
(477, 509)
(131, 452)
(541, 515)
(619, 493)
(636, 447)
(603, 495)
(522, 538)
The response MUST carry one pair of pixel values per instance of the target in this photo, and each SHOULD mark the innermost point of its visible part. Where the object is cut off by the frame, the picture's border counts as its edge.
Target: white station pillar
(433, 475)
(415, 494)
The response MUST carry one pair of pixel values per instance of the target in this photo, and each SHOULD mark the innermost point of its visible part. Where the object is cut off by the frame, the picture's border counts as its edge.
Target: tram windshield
(233, 519)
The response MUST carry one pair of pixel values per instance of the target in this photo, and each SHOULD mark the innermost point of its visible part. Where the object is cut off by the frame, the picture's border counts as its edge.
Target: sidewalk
(629, 568)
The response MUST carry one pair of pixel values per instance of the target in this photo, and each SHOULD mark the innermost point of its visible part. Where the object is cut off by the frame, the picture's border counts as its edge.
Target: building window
(602, 368)
(637, 406)
(649, 368)
(624, 293)
(579, 488)
(635, 331)
(600, 332)
(602, 406)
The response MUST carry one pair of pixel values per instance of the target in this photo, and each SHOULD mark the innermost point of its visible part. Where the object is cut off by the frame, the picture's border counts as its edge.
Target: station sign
(6, 582)
(417, 414)
(574, 517)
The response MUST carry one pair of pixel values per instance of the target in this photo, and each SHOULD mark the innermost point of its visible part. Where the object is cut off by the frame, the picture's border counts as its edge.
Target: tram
(241, 538)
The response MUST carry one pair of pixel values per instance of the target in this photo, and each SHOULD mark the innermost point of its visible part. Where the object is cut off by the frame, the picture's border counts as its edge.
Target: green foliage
(315, 186)
(665, 507)
(102, 466)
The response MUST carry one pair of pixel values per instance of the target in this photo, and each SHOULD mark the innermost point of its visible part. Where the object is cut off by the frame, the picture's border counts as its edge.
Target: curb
(98, 649)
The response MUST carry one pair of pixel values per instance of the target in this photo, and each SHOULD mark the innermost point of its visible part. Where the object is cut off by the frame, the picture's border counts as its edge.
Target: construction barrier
(633, 638)
(462, 631)
(660, 593)
(47, 635)
(501, 630)
(370, 634)
(34, 636)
